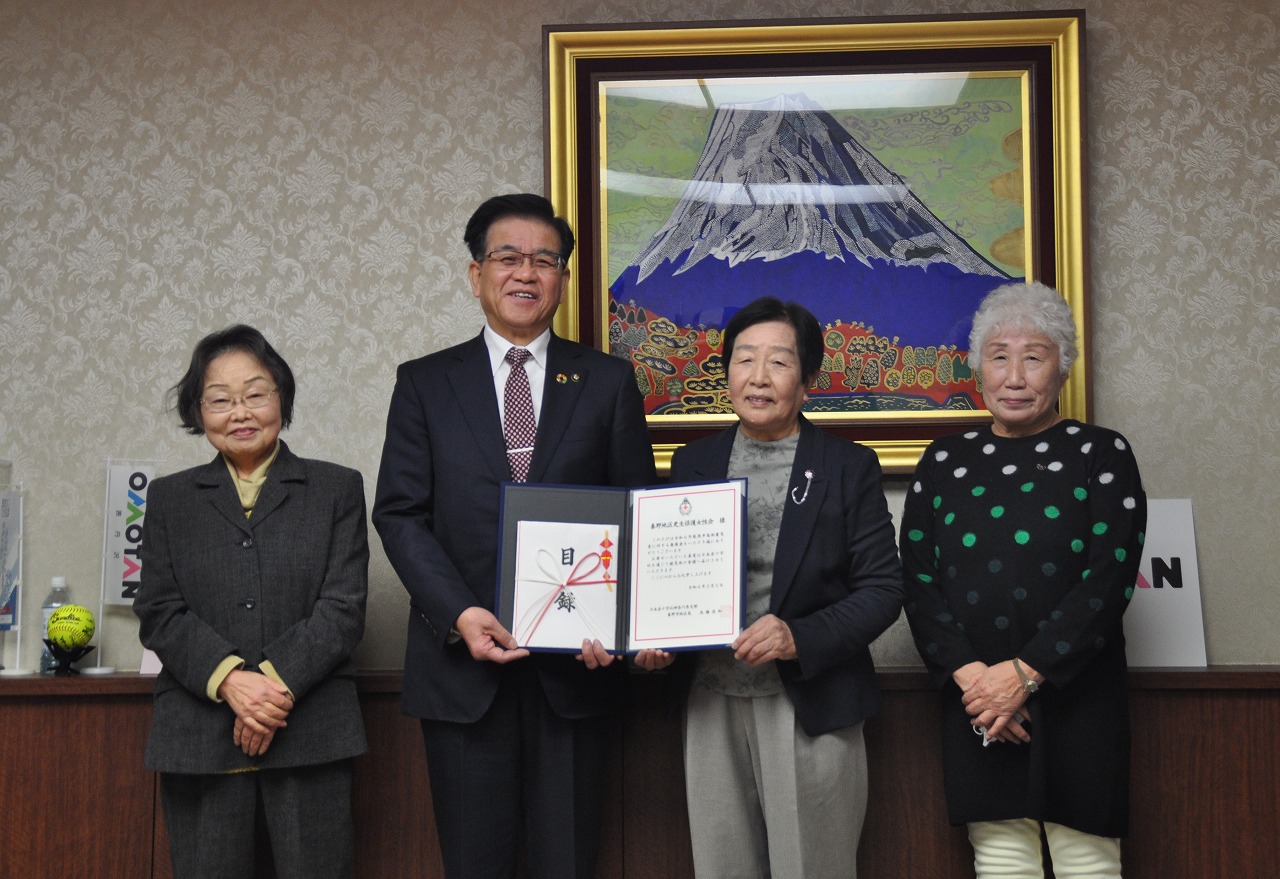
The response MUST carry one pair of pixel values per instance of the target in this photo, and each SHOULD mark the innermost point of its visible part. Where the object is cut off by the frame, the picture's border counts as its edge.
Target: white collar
(498, 347)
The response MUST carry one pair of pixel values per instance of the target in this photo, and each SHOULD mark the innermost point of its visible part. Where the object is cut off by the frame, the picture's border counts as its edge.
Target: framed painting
(885, 173)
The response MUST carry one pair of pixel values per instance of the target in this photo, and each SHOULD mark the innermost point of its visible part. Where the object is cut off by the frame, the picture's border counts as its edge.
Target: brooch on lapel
(808, 481)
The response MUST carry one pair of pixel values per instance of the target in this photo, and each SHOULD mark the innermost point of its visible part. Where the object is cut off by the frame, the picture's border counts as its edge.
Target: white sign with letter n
(1164, 626)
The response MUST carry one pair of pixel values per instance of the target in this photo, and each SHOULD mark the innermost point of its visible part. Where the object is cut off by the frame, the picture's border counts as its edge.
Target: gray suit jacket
(287, 585)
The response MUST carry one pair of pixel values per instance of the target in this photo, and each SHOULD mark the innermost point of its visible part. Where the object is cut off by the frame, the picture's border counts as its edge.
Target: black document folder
(660, 567)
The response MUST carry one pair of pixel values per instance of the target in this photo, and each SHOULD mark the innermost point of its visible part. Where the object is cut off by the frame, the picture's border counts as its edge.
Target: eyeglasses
(510, 260)
(254, 398)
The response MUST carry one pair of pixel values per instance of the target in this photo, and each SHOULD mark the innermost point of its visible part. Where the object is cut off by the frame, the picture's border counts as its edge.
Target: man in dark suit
(511, 738)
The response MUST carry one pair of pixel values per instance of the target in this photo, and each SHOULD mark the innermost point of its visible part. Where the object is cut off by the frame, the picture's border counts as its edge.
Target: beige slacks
(767, 800)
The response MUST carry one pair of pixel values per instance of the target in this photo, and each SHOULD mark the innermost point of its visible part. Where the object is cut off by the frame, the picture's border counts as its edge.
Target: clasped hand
(994, 698)
(261, 706)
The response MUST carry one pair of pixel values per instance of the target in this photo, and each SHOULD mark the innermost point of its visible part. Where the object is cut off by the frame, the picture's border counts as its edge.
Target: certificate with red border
(659, 567)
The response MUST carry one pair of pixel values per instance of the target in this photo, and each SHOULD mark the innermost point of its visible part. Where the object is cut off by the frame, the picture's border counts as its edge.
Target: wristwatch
(1027, 683)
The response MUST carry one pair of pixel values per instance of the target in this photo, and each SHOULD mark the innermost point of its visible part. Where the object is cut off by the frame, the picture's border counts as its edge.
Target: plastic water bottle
(58, 596)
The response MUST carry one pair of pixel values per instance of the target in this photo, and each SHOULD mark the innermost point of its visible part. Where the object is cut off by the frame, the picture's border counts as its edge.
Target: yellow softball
(71, 626)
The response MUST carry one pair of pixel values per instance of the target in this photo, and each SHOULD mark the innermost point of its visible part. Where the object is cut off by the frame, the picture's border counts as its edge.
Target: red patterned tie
(519, 424)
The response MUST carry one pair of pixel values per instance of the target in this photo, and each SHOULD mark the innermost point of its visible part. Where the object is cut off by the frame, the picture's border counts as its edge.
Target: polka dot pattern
(1006, 528)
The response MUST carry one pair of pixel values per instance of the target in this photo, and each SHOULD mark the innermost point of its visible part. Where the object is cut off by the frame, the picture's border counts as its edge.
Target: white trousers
(1011, 850)
(767, 800)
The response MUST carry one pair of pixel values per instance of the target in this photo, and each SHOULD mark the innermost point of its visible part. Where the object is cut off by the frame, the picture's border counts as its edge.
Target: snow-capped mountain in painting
(783, 191)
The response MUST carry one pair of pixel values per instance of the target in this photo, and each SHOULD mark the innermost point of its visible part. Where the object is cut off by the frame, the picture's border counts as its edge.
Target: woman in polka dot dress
(1020, 545)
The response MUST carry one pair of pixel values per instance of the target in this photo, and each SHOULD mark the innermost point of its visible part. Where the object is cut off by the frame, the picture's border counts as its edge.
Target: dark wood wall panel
(906, 833)
(73, 798)
(1205, 795)
(656, 823)
(1205, 802)
(395, 829)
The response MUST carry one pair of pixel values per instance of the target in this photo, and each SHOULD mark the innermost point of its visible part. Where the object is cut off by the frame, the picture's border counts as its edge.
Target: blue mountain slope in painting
(894, 300)
(786, 202)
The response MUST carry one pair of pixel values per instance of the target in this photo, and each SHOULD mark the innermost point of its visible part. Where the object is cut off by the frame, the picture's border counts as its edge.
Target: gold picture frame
(606, 84)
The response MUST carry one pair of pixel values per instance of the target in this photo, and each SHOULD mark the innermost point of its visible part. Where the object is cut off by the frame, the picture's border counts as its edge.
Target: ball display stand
(66, 657)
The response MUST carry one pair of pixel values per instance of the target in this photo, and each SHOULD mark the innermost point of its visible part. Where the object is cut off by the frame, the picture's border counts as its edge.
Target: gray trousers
(212, 821)
(767, 800)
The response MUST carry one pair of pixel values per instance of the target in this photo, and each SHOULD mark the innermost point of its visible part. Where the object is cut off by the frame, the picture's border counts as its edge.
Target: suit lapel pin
(577, 377)
(808, 480)
(561, 378)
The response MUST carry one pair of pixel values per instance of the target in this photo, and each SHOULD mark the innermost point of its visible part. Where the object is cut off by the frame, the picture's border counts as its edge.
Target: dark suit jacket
(287, 585)
(436, 508)
(836, 578)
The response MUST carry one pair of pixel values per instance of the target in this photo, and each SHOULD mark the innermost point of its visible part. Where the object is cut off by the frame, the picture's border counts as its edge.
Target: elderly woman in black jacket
(775, 763)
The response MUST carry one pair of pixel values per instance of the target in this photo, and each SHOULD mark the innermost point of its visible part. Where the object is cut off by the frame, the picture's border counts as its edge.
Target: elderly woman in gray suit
(254, 577)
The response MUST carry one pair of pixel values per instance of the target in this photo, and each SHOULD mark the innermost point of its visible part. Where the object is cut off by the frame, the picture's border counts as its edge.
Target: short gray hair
(1033, 307)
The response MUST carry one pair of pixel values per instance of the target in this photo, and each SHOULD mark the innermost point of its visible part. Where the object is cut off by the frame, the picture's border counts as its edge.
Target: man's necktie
(519, 424)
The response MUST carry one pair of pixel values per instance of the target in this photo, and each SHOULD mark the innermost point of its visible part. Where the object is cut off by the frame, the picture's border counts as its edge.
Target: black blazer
(287, 585)
(436, 508)
(836, 578)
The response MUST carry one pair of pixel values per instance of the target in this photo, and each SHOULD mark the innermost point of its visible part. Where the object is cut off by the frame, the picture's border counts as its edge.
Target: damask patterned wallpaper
(167, 168)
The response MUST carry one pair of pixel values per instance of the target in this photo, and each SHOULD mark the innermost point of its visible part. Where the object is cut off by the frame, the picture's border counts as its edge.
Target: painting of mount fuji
(889, 206)
(886, 172)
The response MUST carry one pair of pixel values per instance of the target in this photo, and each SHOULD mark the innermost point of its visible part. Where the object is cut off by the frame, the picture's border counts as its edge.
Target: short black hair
(525, 205)
(799, 318)
(187, 392)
